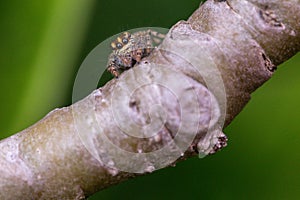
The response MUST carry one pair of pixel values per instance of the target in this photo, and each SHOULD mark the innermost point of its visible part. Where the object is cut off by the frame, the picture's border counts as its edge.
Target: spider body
(129, 49)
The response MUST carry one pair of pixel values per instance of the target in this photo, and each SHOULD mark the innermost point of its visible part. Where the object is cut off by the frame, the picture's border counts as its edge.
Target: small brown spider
(129, 49)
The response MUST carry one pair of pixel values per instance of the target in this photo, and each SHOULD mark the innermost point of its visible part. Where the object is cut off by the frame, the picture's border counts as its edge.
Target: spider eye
(125, 40)
(119, 45)
(126, 34)
(113, 45)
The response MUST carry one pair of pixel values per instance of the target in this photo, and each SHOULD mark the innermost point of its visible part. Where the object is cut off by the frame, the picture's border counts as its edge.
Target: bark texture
(171, 106)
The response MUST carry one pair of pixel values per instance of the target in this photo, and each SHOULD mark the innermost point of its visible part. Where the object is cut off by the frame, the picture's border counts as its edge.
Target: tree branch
(171, 106)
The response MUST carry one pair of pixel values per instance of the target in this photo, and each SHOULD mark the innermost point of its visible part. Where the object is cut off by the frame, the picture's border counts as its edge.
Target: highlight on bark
(154, 121)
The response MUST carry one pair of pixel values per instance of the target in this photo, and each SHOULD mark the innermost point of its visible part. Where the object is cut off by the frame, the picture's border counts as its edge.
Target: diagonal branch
(171, 106)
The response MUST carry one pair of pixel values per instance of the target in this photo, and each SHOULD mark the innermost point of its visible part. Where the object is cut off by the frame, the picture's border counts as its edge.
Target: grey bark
(185, 92)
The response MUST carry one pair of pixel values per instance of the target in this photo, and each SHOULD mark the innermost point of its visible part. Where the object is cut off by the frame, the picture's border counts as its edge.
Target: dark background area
(43, 44)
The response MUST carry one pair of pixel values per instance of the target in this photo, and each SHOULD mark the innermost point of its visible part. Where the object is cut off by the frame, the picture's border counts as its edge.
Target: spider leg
(148, 50)
(138, 55)
(113, 70)
(156, 36)
(149, 46)
(153, 39)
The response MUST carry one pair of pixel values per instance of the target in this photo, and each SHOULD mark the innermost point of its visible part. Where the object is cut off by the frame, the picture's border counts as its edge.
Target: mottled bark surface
(172, 106)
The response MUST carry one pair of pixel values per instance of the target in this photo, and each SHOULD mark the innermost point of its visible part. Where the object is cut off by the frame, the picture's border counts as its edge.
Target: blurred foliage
(42, 46)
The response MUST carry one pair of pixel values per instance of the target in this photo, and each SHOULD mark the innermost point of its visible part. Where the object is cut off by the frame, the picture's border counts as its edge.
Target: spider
(129, 49)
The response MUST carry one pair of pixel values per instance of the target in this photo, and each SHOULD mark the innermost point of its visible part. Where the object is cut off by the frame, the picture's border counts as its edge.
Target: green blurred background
(42, 46)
